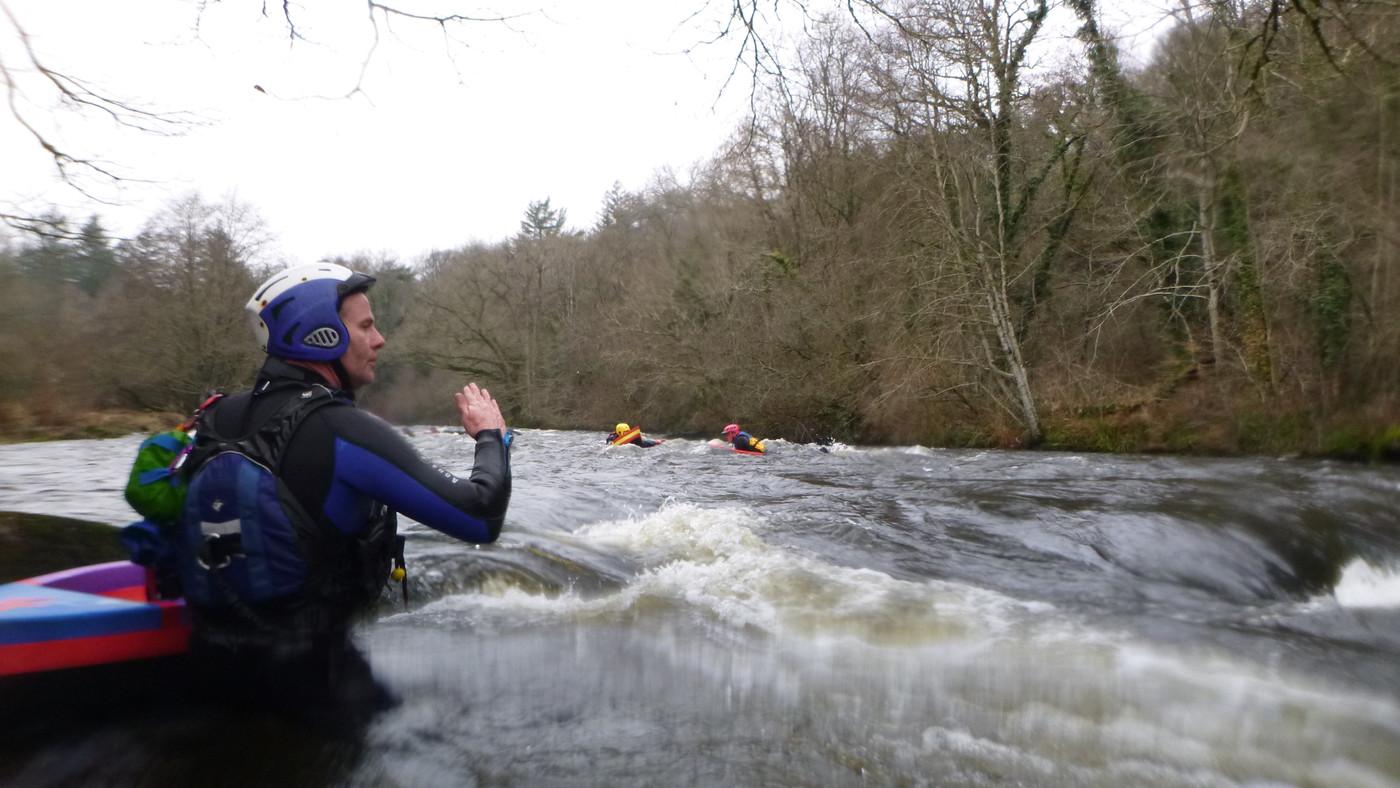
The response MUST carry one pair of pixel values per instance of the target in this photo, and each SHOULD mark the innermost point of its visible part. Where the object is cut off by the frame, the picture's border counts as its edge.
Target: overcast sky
(447, 141)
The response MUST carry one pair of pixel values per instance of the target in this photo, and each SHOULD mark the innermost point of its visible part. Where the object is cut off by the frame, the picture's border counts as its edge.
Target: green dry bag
(155, 489)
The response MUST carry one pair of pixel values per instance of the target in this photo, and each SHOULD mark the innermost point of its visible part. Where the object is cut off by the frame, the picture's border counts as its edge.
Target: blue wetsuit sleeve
(372, 460)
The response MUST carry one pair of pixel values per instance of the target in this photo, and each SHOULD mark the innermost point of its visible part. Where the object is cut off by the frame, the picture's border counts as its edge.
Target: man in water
(342, 476)
(742, 440)
(635, 438)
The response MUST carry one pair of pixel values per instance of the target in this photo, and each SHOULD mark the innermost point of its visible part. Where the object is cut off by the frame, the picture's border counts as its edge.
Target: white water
(901, 616)
(1363, 585)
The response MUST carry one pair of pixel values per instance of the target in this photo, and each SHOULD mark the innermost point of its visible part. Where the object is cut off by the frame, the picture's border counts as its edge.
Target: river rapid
(834, 616)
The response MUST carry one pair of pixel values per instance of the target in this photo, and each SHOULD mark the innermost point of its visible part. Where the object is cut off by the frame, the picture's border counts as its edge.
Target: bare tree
(1204, 91)
(26, 70)
(178, 304)
(957, 82)
(466, 316)
(31, 85)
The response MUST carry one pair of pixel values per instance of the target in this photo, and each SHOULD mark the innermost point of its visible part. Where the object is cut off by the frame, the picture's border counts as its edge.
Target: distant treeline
(925, 234)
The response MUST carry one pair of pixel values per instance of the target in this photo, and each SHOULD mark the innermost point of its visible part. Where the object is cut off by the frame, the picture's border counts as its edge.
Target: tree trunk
(1212, 267)
(994, 290)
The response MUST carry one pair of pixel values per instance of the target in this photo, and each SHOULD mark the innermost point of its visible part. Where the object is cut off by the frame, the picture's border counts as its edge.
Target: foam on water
(1364, 585)
(711, 563)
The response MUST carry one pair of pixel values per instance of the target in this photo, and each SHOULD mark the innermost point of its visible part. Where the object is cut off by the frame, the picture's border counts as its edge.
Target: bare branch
(82, 95)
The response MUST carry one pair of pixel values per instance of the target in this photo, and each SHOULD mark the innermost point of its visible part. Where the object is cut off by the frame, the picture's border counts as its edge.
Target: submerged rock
(35, 544)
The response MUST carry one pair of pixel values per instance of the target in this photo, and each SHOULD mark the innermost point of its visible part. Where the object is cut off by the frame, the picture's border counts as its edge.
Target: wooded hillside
(943, 226)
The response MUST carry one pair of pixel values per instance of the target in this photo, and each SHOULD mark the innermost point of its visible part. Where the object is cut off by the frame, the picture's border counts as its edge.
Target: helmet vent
(280, 305)
(324, 337)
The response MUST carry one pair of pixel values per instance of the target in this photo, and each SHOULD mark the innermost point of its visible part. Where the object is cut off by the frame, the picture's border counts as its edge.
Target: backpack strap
(268, 440)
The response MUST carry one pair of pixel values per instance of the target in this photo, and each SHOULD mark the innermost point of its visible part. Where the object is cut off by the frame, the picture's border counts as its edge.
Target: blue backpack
(236, 539)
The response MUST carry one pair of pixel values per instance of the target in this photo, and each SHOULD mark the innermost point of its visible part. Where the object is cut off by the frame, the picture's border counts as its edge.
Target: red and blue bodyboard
(716, 443)
(91, 615)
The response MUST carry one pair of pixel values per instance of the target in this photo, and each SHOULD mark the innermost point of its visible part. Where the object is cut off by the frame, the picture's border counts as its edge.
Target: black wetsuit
(340, 465)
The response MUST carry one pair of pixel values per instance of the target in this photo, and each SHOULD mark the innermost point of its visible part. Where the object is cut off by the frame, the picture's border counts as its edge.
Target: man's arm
(372, 460)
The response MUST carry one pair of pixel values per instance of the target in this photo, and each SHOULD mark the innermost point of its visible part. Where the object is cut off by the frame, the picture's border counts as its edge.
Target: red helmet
(730, 429)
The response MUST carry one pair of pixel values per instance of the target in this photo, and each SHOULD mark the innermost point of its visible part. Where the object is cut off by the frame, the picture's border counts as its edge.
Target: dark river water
(683, 615)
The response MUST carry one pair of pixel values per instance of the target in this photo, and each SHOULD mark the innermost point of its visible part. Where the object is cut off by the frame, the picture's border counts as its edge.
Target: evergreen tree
(94, 259)
(542, 221)
(44, 259)
(619, 208)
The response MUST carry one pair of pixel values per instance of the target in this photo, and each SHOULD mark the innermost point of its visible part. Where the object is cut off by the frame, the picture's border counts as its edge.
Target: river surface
(684, 615)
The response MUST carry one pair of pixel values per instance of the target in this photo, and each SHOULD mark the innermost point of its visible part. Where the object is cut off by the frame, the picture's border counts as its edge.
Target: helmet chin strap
(332, 371)
(344, 377)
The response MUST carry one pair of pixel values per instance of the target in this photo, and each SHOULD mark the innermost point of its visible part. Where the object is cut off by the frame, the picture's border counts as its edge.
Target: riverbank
(20, 424)
(1149, 430)
(1157, 428)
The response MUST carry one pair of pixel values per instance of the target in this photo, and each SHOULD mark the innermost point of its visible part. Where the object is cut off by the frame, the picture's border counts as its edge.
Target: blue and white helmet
(296, 313)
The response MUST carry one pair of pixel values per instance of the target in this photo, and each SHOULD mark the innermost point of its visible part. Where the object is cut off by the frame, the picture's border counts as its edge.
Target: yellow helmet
(621, 427)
